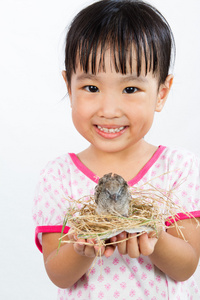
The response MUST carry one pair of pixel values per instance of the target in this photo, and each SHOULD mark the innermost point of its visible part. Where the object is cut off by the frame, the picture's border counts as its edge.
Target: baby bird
(112, 195)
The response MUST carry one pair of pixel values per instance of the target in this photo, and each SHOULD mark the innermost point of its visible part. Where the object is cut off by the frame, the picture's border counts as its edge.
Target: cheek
(142, 117)
(79, 124)
(79, 111)
(81, 118)
(82, 108)
(139, 112)
(77, 106)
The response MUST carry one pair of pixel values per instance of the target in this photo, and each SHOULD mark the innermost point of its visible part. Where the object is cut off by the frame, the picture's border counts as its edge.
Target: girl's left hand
(136, 245)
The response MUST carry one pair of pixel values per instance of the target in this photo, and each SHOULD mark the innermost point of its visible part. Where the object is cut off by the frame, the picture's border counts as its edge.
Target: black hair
(127, 27)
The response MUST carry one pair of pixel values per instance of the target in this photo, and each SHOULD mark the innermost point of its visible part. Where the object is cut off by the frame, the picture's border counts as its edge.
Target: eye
(130, 90)
(121, 190)
(107, 192)
(91, 88)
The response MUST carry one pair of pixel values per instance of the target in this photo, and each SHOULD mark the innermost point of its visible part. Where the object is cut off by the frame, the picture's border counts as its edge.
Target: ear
(163, 92)
(64, 75)
(67, 84)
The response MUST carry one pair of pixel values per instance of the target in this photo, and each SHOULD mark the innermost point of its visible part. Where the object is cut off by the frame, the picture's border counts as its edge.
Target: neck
(126, 163)
(133, 153)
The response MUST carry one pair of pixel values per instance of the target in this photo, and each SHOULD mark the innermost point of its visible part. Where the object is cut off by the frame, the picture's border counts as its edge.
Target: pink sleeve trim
(48, 229)
(183, 216)
(58, 229)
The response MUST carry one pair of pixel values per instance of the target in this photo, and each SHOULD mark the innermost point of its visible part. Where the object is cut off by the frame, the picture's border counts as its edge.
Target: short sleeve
(185, 183)
(50, 202)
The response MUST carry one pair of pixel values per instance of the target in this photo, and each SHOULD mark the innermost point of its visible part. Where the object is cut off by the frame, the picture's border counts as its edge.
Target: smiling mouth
(111, 130)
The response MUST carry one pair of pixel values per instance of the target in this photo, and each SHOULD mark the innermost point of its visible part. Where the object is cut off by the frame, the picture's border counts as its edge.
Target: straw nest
(149, 209)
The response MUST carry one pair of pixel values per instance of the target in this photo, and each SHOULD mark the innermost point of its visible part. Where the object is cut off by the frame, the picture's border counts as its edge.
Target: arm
(173, 255)
(71, 262)
(66, 266)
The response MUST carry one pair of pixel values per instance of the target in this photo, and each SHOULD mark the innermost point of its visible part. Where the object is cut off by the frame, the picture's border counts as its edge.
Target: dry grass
(149, 210)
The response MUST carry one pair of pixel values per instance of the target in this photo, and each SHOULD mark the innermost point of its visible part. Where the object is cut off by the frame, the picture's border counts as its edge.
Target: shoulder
(180, 156)
(52, 190)
(59, 161)
(176, 165)
(55, 176)
(182, 176)
(183, 168)
(57, 166)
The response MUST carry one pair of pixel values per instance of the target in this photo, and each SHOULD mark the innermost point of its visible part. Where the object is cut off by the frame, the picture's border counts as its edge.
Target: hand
(136, 245)
(90, 248)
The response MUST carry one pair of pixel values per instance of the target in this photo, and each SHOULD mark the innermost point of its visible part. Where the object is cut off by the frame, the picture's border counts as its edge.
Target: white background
(35, 121)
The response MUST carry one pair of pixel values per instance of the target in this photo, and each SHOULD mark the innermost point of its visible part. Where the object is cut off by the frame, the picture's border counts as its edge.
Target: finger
(79, 246)
(109, 250)
(99, 250)
(72, 236)
(157, 233)
(132, 246)
(152, 234)
(113, 239)
(89, 249)
(152, 243)
(147, 244)
(122, 245)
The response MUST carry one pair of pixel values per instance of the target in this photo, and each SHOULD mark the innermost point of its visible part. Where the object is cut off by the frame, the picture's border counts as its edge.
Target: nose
(110, 106)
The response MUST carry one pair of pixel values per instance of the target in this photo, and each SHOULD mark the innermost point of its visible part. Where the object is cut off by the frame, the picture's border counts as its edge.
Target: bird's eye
(107, 192)
(121, 190)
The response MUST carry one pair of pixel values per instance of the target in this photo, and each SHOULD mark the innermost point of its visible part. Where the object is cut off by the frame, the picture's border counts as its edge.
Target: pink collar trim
(133, 181)
(148, 165)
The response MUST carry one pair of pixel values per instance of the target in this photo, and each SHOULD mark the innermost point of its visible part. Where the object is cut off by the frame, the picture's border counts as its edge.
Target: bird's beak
(114, 197)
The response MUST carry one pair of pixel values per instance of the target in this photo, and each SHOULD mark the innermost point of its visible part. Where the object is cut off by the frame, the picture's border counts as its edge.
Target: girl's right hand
(89, 247)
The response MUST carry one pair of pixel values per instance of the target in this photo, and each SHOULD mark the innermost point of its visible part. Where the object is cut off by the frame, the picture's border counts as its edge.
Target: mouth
(111, 130)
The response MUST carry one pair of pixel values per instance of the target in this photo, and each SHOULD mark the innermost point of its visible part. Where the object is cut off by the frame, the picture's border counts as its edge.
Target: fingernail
(122, 235)
(90, 242)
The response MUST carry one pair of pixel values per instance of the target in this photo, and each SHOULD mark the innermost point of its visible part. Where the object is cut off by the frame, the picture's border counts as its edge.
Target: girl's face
(114, 111)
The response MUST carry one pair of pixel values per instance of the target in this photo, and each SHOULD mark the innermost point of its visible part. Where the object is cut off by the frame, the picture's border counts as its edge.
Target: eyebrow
(86, 76)
(124, 78)
(133, 77)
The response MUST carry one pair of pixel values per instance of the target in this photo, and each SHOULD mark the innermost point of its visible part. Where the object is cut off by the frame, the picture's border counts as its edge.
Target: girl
(117, 60)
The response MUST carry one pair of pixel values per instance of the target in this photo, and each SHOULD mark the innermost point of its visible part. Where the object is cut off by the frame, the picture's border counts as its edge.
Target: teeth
(110, 130)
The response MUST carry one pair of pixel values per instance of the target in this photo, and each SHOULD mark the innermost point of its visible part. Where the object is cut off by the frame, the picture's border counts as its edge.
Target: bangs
(125, 52)
(132, 30)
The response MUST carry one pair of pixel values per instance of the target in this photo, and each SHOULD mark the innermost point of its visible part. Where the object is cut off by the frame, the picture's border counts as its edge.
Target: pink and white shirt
(119, 277)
